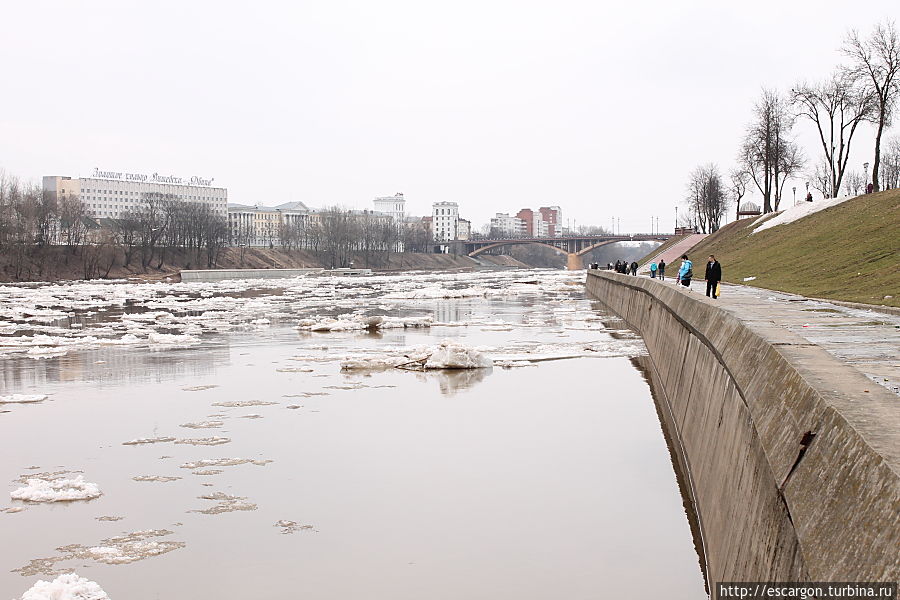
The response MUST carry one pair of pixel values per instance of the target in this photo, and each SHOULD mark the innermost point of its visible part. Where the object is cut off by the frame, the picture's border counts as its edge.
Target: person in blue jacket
(653, 270)
(686, 272)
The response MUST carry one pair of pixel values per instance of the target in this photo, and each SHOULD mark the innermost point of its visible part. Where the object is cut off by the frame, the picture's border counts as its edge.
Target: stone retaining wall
(793, 456)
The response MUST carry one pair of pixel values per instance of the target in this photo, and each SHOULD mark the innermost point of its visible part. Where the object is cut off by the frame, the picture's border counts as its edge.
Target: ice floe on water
(448, 354)
(225, 503)
(159, 478)
(288, 527)
(224, 462)
(207, 441)
(67, 586)
(118, 550)
(203, 425)
(56, 490)
(153, 440)
(243, 403)
(22, 398)
(357, 322)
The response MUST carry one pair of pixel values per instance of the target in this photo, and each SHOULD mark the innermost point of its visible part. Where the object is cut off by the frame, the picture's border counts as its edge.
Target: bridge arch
(484, 249)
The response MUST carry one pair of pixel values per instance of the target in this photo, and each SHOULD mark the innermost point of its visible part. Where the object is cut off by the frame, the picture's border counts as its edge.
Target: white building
(263, 226)
(444, 221)
(392, 205)
(110, 194)
(541, 228)
(506, 226)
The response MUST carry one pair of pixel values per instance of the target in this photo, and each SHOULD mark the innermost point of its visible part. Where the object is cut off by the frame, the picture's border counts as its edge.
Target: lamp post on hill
(795, 195)
(866, 172)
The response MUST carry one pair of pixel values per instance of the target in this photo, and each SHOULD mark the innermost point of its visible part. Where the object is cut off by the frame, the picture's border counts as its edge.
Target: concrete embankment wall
(793, 457)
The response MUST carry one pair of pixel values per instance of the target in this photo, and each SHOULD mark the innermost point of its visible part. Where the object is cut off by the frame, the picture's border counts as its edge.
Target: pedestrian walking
(686, 272)
(713, 276)
(662, 270)
(653, 268)
(634, 267)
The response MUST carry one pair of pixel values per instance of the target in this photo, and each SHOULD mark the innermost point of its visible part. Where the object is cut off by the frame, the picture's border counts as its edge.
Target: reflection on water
(550, 480)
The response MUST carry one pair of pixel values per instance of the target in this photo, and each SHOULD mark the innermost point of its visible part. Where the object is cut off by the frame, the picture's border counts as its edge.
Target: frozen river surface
(256, 440)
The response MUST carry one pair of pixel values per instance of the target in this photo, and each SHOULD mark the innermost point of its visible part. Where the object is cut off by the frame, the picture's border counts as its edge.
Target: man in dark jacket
(634, 267)
(713, 276)
(662, 270)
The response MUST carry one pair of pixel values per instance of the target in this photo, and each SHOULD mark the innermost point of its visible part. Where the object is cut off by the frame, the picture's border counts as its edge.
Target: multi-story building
(111, 194)
(527, 215)
(505, 226)
(264, 226)
(444, 221)
(395, 206)
(541, 229)
(553, 216)
(463, 229)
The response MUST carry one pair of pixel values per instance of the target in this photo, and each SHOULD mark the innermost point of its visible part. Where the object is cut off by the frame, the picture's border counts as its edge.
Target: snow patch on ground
(68, 586)
(56, 490)
(798, 212)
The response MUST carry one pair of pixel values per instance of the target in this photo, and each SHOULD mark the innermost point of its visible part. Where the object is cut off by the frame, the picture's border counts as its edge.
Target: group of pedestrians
(713, 274)
(624, 268)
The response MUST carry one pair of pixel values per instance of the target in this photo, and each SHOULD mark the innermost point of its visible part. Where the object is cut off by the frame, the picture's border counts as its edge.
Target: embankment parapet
(794, 457)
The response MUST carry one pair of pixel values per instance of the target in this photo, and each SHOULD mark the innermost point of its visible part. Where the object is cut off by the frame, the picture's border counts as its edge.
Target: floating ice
(56, 490)
(448, 354)
(171, 340)
(203, 425)
(160, 478)
(68, 586)
(208, 441)
(243, 403)
(223, 462)
(454, 355)
(22, 398)
(142, 441)
(226, 503)
(119, 550)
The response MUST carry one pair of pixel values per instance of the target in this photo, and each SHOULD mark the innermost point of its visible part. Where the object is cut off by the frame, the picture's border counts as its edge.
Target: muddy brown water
(545, 481)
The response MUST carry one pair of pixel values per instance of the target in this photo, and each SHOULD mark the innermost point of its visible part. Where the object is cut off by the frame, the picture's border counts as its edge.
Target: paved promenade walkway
(867, 339)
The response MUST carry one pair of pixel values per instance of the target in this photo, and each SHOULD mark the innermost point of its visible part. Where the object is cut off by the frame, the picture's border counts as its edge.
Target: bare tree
(739, 178)
(890, 173)
(768, 154)
(854, 183)
(820, 177)
(837, 107)
(876, 63)
(707, 197)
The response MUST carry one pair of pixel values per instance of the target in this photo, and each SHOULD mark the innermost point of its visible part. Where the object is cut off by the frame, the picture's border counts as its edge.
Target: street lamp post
(676, 217)
(866, 183)
(795, 195)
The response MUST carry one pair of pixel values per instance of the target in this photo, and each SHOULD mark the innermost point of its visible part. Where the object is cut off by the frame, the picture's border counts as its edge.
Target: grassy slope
(846, 252)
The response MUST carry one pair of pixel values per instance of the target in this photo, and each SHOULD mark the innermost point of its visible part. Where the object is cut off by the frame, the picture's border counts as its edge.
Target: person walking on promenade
(653, 268)
(634, 267)
(686, 272)
(713, 276)
(662, 270)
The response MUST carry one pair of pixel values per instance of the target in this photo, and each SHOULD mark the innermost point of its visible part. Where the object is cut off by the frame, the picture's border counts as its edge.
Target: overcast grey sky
(600, 108)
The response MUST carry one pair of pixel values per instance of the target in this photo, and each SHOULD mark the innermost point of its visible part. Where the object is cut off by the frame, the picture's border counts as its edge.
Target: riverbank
(57, 263)
(792, 452)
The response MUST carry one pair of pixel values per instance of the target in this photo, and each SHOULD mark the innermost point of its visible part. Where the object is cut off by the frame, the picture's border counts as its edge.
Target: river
(221, 450)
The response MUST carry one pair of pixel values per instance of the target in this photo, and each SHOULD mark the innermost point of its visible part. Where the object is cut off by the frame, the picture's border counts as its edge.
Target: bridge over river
(573, 246)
